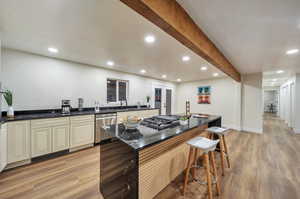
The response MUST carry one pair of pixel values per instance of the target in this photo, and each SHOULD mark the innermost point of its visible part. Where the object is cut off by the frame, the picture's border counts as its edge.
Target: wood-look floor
(264, 166)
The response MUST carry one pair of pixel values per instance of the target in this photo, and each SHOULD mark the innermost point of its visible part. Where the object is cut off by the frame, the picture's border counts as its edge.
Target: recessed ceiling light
(52, 50)
(292, 51)
(216, 74)
(203, 68)
(149, 39)
(179, 80)
(164, 76)
(274, 80)
(186, 58)
(143, 71)
(110, 63)
(279, 71)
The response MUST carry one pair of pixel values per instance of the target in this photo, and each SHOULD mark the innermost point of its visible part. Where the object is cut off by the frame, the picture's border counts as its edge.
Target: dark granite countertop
(44, 114)
(152, 136)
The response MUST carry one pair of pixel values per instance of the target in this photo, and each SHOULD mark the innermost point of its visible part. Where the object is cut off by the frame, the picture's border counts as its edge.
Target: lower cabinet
(60, 138)
(151, 113)
(3, 146)
(41, 141)
(49, 136)
(82, 131)
(18, 141)
(121, 116)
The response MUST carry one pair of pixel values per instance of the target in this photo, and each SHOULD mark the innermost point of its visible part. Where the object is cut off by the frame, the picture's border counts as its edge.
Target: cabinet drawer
(84, 118)
(50, 122)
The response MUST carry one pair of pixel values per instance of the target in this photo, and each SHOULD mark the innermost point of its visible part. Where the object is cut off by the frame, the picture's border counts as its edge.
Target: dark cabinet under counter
(118, 170)
(135, 167)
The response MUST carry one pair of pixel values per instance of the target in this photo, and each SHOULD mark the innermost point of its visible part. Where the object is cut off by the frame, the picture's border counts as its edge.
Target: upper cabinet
(18, 141)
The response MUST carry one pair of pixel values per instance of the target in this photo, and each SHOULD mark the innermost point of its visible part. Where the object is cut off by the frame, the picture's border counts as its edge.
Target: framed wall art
(204, 95)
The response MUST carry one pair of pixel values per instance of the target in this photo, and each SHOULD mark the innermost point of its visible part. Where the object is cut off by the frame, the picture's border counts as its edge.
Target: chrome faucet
(123, 101)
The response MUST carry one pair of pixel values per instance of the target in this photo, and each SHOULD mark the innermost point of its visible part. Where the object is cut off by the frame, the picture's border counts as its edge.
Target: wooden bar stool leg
(207, 168)
(190, 160)
(226, 152)
(222, 155)
(195, 163)
(213, 161)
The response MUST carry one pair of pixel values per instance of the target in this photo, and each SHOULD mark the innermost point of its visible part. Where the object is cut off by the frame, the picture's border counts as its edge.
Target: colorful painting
(204, 95)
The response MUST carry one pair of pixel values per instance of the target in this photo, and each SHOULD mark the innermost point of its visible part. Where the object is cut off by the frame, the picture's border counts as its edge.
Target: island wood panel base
(162, 163)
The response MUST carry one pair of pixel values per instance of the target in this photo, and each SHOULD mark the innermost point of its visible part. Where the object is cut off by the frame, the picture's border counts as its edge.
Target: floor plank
(265, 166)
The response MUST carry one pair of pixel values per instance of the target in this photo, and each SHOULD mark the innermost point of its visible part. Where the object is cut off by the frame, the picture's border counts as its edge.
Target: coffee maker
(66, 107)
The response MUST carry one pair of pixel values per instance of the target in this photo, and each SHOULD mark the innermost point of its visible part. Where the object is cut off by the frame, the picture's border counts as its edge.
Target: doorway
(271, 101)
(157, 98)
(168, 101)
(163, 99)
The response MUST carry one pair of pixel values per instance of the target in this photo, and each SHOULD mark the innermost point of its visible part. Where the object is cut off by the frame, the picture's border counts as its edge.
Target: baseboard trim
(233, 127)
(296, 131)
(17, 164)
(81, 147)
(252, 130)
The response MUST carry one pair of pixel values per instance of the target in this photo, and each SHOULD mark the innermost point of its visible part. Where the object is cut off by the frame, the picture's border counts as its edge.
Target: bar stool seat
(218, 130)
(203, 143)
(208, 147)
(221, 132)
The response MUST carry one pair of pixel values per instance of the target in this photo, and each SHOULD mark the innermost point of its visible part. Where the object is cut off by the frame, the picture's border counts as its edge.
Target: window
(117, 90)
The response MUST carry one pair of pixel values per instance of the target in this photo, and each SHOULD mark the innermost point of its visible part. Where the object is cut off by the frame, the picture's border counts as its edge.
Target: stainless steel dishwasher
(103, 125)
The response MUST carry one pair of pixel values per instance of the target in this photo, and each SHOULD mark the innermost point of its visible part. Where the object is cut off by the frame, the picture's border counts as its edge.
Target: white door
(163, 98)
(41, 141)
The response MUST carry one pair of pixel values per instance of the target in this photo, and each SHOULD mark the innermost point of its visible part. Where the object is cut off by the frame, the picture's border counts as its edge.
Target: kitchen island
(138, 164)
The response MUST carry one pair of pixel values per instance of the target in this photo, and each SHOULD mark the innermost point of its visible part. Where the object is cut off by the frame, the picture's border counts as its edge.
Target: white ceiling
(95, 31)
(254, 35)
(272, 79)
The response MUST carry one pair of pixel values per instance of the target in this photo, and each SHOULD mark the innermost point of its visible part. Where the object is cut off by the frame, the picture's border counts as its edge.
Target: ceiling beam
(174, 20)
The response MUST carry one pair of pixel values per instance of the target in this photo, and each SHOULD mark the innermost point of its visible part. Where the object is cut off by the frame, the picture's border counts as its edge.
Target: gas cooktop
(161, 122)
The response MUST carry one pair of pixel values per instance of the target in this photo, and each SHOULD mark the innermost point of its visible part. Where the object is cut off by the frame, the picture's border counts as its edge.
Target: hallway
(266, 166)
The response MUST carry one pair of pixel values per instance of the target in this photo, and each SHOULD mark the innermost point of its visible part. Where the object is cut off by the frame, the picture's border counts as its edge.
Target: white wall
(1, 98)
(297, 105)
(289, 108)
(225, 100)
(40, 82)
(252, 100)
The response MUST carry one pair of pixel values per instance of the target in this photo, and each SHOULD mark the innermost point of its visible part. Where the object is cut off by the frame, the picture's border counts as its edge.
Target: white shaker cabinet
(18, 141)
(49, 136)
(41, 141)
(3, 147)
(82, 130)
(61, 138)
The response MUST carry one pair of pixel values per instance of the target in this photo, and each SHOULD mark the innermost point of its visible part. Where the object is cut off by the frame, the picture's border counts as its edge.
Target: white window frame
(117, 90)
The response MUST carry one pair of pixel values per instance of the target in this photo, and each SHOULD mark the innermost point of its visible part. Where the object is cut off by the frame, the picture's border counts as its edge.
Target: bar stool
(208, 147)
(221, 132)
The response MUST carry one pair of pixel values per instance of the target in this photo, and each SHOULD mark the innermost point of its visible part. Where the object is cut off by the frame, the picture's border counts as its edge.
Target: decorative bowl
(132, 122)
